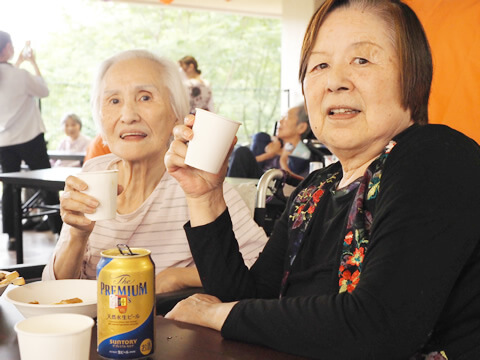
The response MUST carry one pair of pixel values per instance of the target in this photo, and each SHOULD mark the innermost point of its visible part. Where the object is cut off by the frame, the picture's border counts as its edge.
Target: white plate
(49, 292)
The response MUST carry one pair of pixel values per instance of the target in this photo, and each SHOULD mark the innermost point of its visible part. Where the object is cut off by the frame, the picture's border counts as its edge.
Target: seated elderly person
(73, 142)
(137, 100)
(288, 153)
(377, 256)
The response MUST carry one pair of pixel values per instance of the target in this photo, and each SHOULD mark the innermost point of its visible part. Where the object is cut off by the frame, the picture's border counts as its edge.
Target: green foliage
(238, 55)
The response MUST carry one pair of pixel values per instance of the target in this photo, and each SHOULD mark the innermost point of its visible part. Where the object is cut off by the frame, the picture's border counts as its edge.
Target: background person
(378, 255)
(251, 162)
(270, 156)
(259, 142)
(200, 91)
(136, 101)
(21, 127)
(74, 141)
(294, 156)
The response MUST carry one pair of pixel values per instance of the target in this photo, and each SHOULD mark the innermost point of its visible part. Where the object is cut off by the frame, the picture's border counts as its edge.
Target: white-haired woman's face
(136, 115)
(72, 128)
(352, 84)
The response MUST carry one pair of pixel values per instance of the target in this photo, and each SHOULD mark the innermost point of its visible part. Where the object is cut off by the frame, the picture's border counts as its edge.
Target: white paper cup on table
(102, 185)
(55, 337)
(212, 138)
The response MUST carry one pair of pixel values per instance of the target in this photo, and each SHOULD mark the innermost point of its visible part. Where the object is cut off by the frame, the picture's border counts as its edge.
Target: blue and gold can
(125, 303)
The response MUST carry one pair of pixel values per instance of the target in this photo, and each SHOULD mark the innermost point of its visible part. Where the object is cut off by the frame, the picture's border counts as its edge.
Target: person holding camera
(21, 125)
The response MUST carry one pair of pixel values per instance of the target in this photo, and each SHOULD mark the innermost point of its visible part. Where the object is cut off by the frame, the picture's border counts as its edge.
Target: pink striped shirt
(157, 225)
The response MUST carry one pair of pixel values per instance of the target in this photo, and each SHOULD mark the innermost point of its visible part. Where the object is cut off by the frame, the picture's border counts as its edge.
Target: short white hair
(72, 116)
(178, 94)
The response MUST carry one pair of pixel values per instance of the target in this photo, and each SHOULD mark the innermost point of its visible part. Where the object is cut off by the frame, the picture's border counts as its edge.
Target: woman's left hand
(201, 309)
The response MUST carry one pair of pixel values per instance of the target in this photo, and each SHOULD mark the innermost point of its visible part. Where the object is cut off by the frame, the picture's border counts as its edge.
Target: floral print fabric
(359, 223)
(357, 232)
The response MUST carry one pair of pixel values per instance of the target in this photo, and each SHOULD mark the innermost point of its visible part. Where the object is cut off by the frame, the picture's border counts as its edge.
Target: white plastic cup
(212, 138)
(102, 185)
(55, 337)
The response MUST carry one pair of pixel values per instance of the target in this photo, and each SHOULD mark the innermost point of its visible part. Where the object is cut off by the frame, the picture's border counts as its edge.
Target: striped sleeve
(251, 237)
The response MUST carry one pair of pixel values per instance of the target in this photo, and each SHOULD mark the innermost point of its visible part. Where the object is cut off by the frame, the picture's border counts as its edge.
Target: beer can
(125, 303)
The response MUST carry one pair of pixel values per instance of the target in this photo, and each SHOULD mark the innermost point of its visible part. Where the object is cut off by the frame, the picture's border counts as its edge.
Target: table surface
(66, 155)
(56, 175)
(173, 341)
(51, 178)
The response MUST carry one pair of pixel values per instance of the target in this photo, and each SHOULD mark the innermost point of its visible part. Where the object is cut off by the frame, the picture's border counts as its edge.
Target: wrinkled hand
(274, 147)
(74, 205)
(194, 182)
(201, 309)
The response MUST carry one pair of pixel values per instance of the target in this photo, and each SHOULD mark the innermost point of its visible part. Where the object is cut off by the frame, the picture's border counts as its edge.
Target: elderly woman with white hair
(74, 141)
(137, 99)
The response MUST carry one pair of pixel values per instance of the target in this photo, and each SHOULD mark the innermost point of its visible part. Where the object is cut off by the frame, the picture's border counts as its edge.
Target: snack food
(11, 277)
(69, 301)
(75, 300)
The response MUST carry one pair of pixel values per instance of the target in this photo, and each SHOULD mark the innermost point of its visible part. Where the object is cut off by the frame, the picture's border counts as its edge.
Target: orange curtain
(453, 30)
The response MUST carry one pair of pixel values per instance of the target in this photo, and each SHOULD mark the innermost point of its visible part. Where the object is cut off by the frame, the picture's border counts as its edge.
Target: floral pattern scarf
(357, 232)
(359, 221)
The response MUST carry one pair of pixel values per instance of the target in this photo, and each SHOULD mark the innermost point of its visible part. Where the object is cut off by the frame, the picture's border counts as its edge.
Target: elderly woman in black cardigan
(376, 256)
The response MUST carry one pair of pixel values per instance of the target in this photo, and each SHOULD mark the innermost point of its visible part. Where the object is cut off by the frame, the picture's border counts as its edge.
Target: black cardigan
(420, 285)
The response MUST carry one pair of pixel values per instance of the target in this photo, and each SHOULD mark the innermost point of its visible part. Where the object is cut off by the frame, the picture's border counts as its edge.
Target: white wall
(295, 18)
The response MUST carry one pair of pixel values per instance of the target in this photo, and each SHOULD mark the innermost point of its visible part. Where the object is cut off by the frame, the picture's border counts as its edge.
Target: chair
(273, 189)
(247, 189)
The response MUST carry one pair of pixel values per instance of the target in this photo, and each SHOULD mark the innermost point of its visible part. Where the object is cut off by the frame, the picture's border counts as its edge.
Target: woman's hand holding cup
(74, 205)
(88, 197)
(203, 190)
(194, 182)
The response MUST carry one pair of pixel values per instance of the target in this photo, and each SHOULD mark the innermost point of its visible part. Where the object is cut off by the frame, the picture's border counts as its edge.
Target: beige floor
(37, 248)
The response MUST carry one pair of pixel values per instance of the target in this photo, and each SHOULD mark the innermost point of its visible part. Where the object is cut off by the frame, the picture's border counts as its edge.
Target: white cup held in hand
(102, 185)
(212, 138)
(55, 337)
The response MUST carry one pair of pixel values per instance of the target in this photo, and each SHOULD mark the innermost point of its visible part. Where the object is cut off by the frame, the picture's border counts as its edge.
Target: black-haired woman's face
(352, 84)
